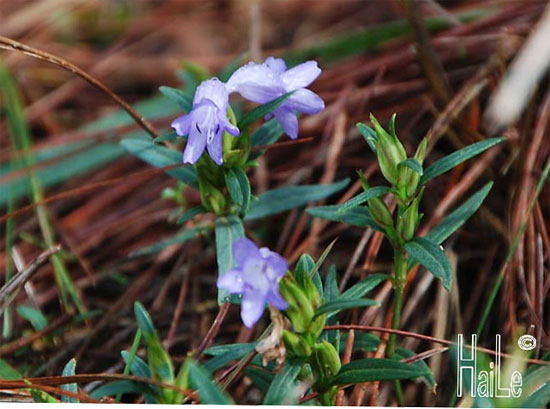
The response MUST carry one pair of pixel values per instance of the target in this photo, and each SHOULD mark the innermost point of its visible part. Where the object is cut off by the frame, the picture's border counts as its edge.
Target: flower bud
(317, 326)
(327, 359)
(300, 311)
(420, 154)
(380, 212)
(389, 151)
(409, 220)
(296, 344)
(312, 292)
(212, 199)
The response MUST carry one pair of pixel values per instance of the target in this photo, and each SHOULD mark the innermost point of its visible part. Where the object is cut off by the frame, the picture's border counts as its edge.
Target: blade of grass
(21, 141)
(128, 366)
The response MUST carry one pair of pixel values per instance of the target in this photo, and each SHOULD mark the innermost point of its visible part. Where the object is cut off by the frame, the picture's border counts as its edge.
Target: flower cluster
(259, 83)
(256, 277)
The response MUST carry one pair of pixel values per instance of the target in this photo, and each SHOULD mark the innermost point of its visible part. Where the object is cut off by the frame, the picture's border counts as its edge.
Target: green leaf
(171, 136)
(34, 316)
(69, 370)
(304, 265)
(266, 134)
(369, 134)
(332, 307)
(122, 386)
(184, 100)
(139, 366)
(8, 372)
(239, 187)
(282, 385)
(374, 369)
(331, 292)
(363, 341)
(454, 220)
(189, 214)
(144, 320)
(433, 258)
(364, 286)
(412, 164)
(401, 353)
(224, 354)
(159, 156)
(209, 393)
(456, 158)
(228, 230)
(364, 197)
(357, 216)
(260, 378)
(177, 239)
(286, 198)
(262, 110)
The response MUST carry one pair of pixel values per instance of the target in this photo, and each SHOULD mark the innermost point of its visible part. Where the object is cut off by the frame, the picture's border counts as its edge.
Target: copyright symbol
(527, 342)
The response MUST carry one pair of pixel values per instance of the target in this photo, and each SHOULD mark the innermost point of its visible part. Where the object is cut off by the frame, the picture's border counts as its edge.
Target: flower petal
(232, 281)
(215, 148)
(300, 76)
(288, 121)
(214, 90)
(275, 299)
(276, 263)
(252, 308)
(195, 146)
(228, 126)
(277, 65)
(306, 101)
(244, 249)
(182, 124)
(255, 82)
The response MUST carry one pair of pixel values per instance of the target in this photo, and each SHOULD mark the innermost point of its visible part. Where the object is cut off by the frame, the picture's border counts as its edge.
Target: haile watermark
(485, 384)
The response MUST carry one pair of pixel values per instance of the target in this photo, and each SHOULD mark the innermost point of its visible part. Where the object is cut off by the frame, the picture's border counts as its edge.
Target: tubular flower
(256, 277)
(264, 82)
(206, 122)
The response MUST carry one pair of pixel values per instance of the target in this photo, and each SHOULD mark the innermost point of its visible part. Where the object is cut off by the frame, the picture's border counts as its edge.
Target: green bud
(420, 154)
(212, 199)
(317, 326)
(299, 311)
(408, 222)
(380, 212)
(312, 292)
(297, 344)
(389, 151)
(327, 360)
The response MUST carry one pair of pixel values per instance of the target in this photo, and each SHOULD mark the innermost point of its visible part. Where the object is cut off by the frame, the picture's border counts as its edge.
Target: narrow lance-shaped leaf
(456, 158)
(159, 157)
(339, 304)
(412, 164)
(209, 393)
(283, 383)
(286, 198)
(358, 216)
(364, 197)
(69, 370)
(228, 230)
(184, 100)
(433, 258)
(262, 110)
(374, 369)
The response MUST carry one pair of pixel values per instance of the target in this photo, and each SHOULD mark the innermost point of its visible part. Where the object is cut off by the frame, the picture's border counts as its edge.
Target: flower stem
(400, 279)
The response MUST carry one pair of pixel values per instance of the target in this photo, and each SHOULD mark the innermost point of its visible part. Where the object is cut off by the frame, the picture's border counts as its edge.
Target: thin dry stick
(12, 45)
(213, 331)
(23, 276)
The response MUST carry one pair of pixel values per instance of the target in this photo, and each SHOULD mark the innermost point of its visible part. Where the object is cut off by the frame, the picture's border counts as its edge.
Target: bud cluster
(322, 359)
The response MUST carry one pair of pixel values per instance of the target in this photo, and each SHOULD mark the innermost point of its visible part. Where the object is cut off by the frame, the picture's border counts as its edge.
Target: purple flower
(262, 83)
(206, 122)
(256, 277)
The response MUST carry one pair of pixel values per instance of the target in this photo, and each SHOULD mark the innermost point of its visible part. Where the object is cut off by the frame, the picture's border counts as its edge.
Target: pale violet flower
(264, 82)
(256, 277)
(206, 122)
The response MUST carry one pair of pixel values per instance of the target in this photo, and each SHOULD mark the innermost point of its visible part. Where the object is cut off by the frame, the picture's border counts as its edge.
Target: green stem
(400, 262)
